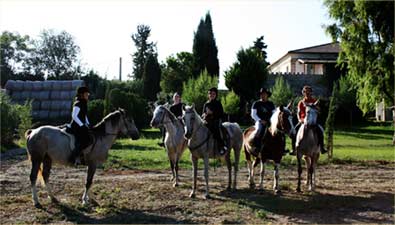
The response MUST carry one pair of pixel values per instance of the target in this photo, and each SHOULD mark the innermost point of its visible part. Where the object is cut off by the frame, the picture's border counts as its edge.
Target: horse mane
(314, 120)
(173, 118)
(274, 119)
(100, 128)
(194, 111)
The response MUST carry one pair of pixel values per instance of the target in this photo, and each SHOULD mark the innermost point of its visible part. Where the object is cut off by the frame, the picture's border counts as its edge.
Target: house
(317, 60)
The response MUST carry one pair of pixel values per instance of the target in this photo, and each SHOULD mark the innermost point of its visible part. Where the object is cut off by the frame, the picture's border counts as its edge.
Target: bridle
(192, 122)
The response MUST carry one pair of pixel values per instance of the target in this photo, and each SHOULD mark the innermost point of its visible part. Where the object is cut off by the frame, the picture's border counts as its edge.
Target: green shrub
(231, 103)
(15, 119)
(281, 92)
(195, 90)
(95, 111)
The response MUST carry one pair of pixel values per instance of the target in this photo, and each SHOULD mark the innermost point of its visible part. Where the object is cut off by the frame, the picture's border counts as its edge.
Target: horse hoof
(38, 205)
(252, 186)
(277, 192)
(192, 195)
(298, 190)
(54, 200)
(175, 185)
(207, 196)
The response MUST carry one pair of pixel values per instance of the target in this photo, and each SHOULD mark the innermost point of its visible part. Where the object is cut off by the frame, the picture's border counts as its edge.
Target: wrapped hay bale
(54, 114)
(10, 85)
(66, 105)
(43, 114)
(28, 85)
(47, 85)
(64, 95)
(37, 85)
(36, 105)
(35, 95)
(44, 95)
(45, 105)
(36, 114)
(55, 95)
(77, 83)
(57, 85)
(18, 85)
(56, 105)
(16, 95)
(25, 95)
(65, 113)
(72, 94)
(67, 85)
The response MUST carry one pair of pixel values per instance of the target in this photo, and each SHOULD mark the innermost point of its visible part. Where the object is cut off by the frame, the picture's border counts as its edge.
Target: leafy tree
(205, 52)
(95, 84)
(366, 33)
(177, 70)
(260, 46)
(247, 75)
(56, 54)
(346, 97)
(14, 50)
(144, 48)
(330, 121)
(151, 77)
(195, 89)
(231, 104)
(281, 92)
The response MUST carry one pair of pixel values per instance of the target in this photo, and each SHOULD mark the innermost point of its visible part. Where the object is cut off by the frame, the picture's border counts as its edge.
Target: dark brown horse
(273, 148)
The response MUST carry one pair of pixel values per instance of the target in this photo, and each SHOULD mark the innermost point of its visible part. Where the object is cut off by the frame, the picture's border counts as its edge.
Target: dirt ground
(344, 194)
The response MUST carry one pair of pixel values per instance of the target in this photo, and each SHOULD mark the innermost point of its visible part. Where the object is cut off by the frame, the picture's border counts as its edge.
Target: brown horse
(48, 144)
(273, 148)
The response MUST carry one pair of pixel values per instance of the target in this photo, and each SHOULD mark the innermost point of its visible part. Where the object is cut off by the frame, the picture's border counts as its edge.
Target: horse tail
(27, 133)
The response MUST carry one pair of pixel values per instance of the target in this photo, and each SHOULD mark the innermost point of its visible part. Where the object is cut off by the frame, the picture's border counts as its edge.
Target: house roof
(328, 48)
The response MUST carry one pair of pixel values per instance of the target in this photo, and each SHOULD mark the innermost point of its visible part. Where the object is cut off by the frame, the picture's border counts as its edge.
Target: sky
(103, 28)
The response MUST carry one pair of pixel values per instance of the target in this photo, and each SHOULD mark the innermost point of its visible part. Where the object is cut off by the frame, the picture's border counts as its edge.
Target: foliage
(96, 84)
(95, 111)
(177, 70)
(151, 77)
(281, 92)
(330, 121)
(365, 30)
(231, 103)
(144, 48)
(195, 90)
(15, 119)
(205, 52)
(14, 51)
(56, 54)
(246, 76)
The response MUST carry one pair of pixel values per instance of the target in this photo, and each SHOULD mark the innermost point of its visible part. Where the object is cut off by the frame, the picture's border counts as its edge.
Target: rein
(203, 142)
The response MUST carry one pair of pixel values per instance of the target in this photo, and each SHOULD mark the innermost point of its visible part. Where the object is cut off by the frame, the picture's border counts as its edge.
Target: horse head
(158, 116)
(311, 113)
(127, 126)
(282, 121)
(189, 116)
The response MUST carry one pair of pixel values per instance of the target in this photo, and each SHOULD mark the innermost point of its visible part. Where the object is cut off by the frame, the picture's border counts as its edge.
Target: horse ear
(290, 104)
(193, 106)
(183, 107)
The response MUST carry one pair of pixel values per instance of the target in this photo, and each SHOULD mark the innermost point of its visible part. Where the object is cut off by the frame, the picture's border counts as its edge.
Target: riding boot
(293, 141)
(222, 147)
(163, 131)
(321, 141)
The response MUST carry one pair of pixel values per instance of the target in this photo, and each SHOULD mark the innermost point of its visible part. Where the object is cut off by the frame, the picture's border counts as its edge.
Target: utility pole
(120, 68)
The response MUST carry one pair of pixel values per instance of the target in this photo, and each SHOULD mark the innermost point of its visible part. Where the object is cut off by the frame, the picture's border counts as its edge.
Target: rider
(176, 109)
(261, 111)
(80, 123)
(307, 98)
(213, 113)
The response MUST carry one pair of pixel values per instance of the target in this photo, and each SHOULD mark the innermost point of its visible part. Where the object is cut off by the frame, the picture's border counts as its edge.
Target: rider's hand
(263, 122)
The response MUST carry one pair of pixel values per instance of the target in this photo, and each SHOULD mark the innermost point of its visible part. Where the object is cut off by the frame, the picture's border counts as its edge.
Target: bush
(195, 90)
(95, 111)
(281, 92)
(231, 103)
(15, 119)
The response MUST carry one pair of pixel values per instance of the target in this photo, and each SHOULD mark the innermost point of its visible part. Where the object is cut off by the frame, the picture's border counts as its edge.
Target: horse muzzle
(134, 135)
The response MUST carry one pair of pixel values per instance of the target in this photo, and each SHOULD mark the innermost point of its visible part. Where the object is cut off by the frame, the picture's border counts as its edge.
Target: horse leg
(176, 172)
(229, 165)
(89, 178)
(299, 157)
(314, 167)
(47, 165)
(236, 150)
(276, 186)
(194, 175)
(250, 168)
(33, 178)
(172, 169)
(262, 174)
(308, 169)
(206, 162)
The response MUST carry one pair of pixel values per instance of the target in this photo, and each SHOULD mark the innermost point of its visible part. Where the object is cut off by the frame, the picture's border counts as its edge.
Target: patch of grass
(261, 214)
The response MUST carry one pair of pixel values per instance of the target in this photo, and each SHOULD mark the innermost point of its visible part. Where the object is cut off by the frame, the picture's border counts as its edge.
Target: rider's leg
(257, 137)
(320, 133)
(293, 138)
(163, 132)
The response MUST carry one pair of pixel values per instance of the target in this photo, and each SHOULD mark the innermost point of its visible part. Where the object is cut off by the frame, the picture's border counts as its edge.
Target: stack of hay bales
(50, 99)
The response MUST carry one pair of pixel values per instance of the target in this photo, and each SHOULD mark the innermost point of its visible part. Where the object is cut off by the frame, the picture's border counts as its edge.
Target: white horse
(307, 145)
(48, 144)
(175, 142)
(203, 145)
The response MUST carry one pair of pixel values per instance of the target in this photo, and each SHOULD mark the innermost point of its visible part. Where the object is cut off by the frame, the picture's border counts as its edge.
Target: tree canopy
(205, 52)
(176, 70)
(151, 77)
(144, 48)
(365, 30)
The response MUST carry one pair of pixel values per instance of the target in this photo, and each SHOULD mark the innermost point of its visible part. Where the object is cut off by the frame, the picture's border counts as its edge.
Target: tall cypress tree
(144, 49)
(151, 77)
(205, 51)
